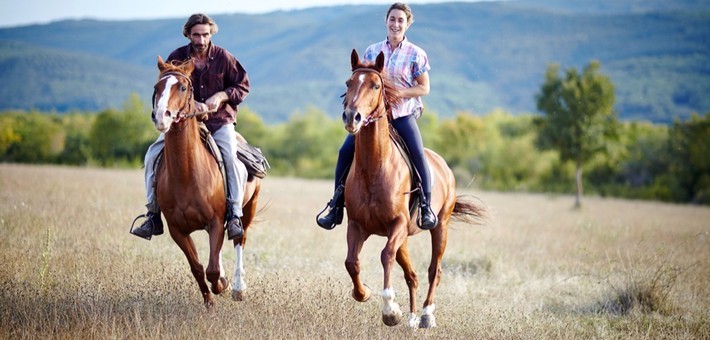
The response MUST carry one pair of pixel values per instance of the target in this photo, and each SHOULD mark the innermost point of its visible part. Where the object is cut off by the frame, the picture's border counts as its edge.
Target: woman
(407, 66)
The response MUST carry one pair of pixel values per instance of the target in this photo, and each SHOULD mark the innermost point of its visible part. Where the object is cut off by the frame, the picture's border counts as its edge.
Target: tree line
(496, 151)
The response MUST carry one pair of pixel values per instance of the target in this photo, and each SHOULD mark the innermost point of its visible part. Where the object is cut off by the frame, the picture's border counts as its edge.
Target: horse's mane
(391, 94)
(175, 66)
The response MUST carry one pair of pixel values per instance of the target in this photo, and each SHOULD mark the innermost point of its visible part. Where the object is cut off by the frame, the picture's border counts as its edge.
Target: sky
(27, 12)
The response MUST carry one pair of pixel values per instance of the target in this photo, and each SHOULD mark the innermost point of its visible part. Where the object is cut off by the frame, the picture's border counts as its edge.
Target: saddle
(251, 156)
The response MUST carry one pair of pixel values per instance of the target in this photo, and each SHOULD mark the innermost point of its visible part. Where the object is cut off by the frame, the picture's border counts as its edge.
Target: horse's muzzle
(352, 120)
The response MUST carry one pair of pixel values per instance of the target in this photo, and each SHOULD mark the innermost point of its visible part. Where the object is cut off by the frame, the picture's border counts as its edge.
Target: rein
(371, 118)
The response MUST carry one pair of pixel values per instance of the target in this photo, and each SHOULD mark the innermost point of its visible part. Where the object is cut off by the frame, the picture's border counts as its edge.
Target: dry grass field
(615, 269)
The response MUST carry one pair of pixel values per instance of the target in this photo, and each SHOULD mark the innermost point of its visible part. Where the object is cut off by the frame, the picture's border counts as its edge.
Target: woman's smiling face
(397, 24)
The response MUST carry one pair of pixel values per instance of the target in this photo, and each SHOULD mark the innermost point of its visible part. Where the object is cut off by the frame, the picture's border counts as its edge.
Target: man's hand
(216, 100)
(201, 107)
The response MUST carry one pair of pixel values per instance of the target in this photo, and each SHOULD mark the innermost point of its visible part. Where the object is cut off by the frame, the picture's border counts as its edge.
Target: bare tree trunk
(578, 198)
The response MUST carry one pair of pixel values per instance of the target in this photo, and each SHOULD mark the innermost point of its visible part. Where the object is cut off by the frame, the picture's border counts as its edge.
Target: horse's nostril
(358, 117)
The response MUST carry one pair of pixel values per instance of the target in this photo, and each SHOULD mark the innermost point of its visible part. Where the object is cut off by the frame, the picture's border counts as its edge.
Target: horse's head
(368, 95)
(172, 94)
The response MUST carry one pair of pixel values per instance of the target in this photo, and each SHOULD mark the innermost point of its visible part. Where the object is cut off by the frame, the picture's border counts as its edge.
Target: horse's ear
(161, 63)
(354, 60)
(380, 62)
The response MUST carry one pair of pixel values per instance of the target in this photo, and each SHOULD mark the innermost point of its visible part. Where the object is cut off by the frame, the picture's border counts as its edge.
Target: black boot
(153, 225)
(335, 214)
(427, 218)
(234, 228)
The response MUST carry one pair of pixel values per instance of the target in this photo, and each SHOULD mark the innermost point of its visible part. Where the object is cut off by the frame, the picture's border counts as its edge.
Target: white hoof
(428, 320)
(393, 318)
(237, 295)
(413, 320)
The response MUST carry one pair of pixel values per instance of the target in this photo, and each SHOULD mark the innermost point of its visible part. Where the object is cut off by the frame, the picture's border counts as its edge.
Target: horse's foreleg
(410, 276)
(188, 248)
(356, 240)
(215, 270)
(391, 313)
(238, 285)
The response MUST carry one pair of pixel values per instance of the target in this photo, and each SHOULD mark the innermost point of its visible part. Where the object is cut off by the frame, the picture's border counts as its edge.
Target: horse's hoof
(221, 286)
(391, 320)
(209, 305)
(237, 295)
(427, 321)
(413, 321)
(365, 296)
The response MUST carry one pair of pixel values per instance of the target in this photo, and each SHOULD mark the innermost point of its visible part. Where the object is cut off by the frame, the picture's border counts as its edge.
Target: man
(219, 83)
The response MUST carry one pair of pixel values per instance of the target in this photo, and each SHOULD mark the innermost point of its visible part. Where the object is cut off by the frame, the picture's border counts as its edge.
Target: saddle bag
(253, 159)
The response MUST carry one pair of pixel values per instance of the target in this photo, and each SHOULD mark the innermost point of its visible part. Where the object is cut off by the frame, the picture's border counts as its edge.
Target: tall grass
(614, 269)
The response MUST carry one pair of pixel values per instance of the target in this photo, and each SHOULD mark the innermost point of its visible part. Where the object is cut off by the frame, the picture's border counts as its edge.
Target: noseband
(371, 118)
(180, 113)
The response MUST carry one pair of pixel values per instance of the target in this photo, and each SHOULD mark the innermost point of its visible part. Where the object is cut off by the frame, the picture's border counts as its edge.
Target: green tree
(579, 115)
(306, 146)
(690, 149)
(122, 136)
(77, 147)
(35, 137)
(8, 133)
(251, 127)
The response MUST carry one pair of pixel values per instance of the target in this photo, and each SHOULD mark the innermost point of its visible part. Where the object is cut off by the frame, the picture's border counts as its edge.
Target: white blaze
(161, 122)
(361, 80)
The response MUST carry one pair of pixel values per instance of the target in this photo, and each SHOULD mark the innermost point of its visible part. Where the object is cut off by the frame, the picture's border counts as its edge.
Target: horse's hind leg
(410, 276)
(188, 247)
(239, 285)
(438, 243)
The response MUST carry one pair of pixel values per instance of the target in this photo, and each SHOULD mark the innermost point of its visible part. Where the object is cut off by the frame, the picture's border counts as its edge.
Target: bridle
(381, 107)
(180, 114)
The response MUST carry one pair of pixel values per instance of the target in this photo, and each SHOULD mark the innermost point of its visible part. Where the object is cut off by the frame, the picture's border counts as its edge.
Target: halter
(180, 112)
(371, 117)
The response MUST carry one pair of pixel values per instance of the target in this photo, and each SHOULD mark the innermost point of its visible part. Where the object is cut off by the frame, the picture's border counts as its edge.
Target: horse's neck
(183, 149)
(373, 147)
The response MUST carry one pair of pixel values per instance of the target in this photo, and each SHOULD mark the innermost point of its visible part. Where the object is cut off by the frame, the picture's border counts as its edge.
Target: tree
(579, 115)
(33, 138)
(690, 167)
(122, 136)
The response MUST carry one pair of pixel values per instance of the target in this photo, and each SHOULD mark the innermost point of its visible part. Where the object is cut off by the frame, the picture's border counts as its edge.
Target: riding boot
(427, 218)
(234, 228)
(234, 224)
(153, 225)
(335, 214)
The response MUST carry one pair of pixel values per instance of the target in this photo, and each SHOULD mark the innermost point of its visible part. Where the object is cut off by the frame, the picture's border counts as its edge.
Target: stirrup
(420, 218)
(332, 204)
(333, 210)
(136, 219)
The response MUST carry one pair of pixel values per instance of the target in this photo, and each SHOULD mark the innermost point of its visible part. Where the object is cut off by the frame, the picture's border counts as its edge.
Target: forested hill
(484, 55)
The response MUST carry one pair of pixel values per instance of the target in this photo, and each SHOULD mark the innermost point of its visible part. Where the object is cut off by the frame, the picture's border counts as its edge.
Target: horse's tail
(470, 209)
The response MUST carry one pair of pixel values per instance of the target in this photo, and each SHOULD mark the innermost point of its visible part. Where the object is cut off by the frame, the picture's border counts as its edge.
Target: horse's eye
(348, 83)
(183, 88)
(377, 86)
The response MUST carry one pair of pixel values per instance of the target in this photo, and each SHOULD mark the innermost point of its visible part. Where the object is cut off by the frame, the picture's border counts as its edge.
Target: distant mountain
(484, 55)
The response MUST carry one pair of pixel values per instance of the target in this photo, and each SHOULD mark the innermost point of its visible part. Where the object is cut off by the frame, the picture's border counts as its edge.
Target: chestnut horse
(378, 192)
(190, 188)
